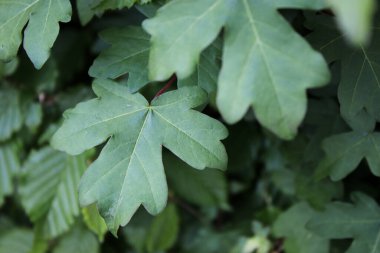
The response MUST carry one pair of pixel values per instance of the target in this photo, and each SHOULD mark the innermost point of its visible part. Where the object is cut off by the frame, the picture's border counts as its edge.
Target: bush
(239, 126)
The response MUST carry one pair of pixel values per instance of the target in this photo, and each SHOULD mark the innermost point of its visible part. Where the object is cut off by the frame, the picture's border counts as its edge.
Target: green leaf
(33, 115)
(10, 113)
(291, 225)
(354, 18)
(122, 179)
(300, 4)
(206, 188)
(16, 241)
(273, 73)
(345, 151)
(49, 189)
(94, 221)
(359, 221)
(207, 70)
(9, 168)
(128, 53)
(42, 17)
(163, 231)
(180, 31)
(78, 240)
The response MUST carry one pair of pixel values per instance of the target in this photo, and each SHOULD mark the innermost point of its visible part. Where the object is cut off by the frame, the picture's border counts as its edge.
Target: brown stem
(166, 87)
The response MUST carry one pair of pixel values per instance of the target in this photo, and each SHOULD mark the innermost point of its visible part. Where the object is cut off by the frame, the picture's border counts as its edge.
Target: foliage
(239, 126)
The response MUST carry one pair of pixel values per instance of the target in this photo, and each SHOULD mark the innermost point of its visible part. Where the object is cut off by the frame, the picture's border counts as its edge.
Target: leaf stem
(167, 86)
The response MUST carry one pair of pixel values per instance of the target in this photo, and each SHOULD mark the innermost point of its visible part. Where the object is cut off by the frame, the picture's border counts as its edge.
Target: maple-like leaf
(345, 151)
(266, 64)
(129, 53)
(42, 16)
(359, 221)
(129, 170)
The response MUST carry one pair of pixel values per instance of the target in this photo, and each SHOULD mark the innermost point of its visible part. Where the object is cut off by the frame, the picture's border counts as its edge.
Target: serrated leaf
(163, 231)
(48, 189)
(359, 221)
(128, 53)
(266, 76)
(9, 167)
(207, 188)
(42, 17)
(180, 31)
(345, 151)
(122, 179)
(94, 221)
(78, 240)
(10, 113)
(16, 241)
(354, 18)
(292, 225)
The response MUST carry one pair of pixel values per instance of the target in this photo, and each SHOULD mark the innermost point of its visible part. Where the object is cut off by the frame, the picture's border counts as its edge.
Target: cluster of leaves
(269, 143)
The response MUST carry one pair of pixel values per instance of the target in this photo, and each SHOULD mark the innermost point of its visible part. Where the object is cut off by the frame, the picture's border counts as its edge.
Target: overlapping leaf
(9, 167)
(49, 189)
(345, 151)
(10, 113)
(16, 241)
(122, 178)
(128, 53)
(359, 87)
(292, 226)
(359, 221)
(94, 221)
(180, 31)
(42, 17)
(266, 64)
(78, 240)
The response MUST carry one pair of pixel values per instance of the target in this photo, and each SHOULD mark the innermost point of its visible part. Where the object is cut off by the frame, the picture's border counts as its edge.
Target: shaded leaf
(49, 189)
(359, 221)
(345, 151)
(9, 168)
(16, 241)
(78, 240)
(10, 113)
(292, 226)
(128, 53)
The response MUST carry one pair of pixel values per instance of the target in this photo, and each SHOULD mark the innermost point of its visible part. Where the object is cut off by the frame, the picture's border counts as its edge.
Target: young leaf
(345, 151)
(94, 221)
(49, 189)
(129, 170)
(359, 221)
(10, 113)
(9, 167)
(42, 17)
(180, 31)
(291, 225)
(273, 73)
(128, 53)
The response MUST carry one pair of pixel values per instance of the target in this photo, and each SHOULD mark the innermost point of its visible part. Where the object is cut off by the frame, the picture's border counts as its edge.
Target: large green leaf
(180, 31)
(291, 225)
(345, 151)
(9, 167)
(359, 221)
(122, 178)
(128, 53)
(16, 241)
(42, 17)
(48, 189)
(10, 113)
(272, 74)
